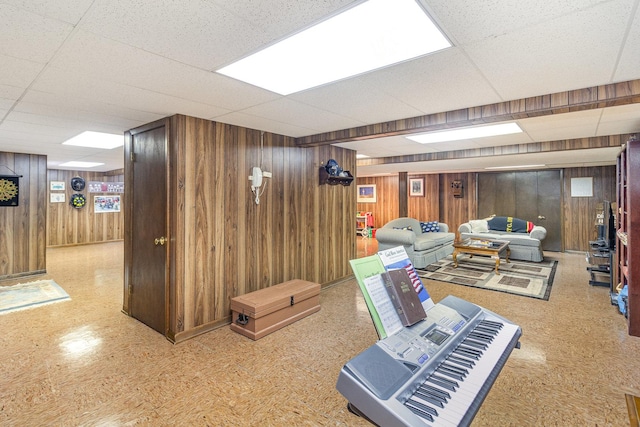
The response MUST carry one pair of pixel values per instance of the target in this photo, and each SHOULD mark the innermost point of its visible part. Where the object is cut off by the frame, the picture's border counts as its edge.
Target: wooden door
(532, 195)
(148, 232)
(549, 208)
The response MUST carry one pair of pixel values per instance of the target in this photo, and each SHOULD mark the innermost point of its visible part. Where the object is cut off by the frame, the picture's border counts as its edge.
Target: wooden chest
(259, 313)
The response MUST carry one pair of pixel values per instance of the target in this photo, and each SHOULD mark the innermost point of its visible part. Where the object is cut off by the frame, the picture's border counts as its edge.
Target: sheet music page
(382, 302)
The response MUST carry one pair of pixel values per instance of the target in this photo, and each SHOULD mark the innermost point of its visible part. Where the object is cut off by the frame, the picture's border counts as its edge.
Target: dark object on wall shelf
(325, 178)
(457, 189)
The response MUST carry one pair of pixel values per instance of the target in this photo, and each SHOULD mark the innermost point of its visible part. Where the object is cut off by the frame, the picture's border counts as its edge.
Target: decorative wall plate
(8, 191)
(78, 200)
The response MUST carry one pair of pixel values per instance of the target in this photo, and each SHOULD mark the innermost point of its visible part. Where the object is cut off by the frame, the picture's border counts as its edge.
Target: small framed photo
(57, 185)
(367, 193)
(416, 187)
(56, 197)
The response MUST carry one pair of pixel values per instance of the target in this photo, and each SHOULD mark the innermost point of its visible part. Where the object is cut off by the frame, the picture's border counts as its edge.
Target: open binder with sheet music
(391, 289)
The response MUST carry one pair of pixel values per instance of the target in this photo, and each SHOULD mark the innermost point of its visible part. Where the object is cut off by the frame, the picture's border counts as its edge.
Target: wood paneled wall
(70, 226)
(387, 206)
(439, 203)
(580, 212)
(23, 227)
(455, 211)
(224, 244)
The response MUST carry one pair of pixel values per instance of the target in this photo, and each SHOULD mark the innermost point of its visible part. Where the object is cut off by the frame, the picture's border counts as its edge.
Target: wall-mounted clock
(8, 191)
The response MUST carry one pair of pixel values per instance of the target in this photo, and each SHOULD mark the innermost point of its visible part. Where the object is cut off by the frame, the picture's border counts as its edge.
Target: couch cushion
(479, 225)
(424, 243)
(431, 226)
(520, 239)
(431, 240)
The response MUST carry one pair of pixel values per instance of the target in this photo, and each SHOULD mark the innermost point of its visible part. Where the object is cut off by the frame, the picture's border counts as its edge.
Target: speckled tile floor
(83, 362)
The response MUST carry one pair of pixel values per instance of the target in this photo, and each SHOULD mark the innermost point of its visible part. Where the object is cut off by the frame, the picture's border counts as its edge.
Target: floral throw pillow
(408, 227)
(431, 226)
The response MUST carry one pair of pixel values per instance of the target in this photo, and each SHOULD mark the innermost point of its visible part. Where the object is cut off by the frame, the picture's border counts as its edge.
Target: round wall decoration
(78, 200)
(77, 183)
(8, 190)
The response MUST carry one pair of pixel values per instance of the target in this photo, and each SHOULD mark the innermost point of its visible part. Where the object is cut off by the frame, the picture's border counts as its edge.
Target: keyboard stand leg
(357, 412)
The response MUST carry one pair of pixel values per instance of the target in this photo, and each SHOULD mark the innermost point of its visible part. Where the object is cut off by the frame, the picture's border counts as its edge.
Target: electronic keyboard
(434, 373)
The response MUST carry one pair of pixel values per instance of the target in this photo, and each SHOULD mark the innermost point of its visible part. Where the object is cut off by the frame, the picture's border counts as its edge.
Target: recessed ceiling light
(516, 167)
(371, 35)
(361, 156)
(80, 164)
(466, 133)
(90, 139)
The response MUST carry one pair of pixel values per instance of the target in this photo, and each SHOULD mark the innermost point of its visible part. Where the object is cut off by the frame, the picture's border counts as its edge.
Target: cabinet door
(148, 235)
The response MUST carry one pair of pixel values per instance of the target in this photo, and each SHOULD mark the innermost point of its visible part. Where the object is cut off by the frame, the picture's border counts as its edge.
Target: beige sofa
(423, 248)
(524, 246)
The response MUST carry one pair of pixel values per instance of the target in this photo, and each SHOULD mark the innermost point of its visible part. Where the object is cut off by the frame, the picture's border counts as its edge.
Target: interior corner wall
(67, 225)
(23, 227)
(225, 243)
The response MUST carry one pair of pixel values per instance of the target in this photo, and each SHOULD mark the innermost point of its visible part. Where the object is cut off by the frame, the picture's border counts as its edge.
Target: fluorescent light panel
(466, 133)
(516, 167)
(80, 164)
(371, 35)
(90, 139)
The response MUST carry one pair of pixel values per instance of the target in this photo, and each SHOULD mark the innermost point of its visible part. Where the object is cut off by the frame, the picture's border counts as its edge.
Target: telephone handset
(256, 177)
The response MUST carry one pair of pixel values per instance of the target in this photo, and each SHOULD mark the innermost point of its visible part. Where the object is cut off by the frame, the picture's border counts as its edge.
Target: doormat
(29, 295)
(529, 279)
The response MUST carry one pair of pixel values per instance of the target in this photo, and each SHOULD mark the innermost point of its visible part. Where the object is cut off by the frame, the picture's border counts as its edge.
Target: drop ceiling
(110, 65)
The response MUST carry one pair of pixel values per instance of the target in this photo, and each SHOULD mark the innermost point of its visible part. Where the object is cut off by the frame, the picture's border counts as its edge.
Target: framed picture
(416, 187)
(105, 204)
(56, 198)
(57, 185)
(367, 193)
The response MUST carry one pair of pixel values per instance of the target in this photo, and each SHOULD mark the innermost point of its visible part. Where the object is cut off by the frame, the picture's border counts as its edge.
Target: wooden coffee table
(475, 246)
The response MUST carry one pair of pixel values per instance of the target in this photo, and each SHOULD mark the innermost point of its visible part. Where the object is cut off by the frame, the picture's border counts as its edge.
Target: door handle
(541, 217)
(160, 241)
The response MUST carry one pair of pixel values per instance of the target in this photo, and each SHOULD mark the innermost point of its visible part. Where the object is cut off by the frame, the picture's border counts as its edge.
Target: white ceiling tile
(38, 101)
(240, 118)
(149, 71)
(629, 63)
(579, 124)
(10, 92)
(442, 81)
(18, 73)
(554, 55)
(26, 35)
(64, 10)
(357, 99)
(197, 32)
(295, 113)
(63, 82)
(468, 22)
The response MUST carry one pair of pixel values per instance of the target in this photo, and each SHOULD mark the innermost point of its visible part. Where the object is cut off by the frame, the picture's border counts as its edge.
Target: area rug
(529, 279)
(29, 295)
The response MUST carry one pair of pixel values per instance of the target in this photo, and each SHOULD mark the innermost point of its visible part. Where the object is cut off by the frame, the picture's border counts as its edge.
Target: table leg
(497, 265)
(508, 254)
(455, 258)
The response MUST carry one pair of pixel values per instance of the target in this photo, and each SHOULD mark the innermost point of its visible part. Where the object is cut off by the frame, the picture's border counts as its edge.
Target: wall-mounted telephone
(256, 181)
(256, 177)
